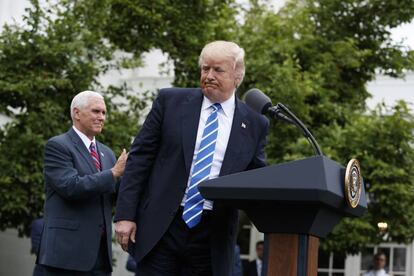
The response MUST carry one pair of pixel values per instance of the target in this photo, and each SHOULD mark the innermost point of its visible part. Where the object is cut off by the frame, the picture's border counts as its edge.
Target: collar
(84, 138)
(227, 106)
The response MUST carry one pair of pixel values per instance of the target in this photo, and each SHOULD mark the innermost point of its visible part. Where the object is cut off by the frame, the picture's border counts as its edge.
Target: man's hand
(125, 230)
(118, 168)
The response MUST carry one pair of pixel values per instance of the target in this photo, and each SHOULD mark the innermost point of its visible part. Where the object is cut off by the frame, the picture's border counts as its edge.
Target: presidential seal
(353, 183)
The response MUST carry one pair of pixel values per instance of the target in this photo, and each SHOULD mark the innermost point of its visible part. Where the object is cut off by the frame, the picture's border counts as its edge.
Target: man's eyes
(98, 111)
(217, 70)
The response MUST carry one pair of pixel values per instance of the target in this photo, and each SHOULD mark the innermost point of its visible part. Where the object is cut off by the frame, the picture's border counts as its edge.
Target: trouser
(181, 251)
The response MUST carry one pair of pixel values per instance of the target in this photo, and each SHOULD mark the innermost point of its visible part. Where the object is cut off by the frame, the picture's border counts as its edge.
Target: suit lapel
(80, 147)
(239, 131)
(190, 116)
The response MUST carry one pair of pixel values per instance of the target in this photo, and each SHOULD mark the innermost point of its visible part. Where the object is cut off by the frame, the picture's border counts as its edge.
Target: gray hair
(221, 48)
(82, 99)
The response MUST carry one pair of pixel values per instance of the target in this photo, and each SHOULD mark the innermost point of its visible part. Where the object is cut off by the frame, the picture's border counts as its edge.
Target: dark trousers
(101, 267)
(38, 270)
(181, 251)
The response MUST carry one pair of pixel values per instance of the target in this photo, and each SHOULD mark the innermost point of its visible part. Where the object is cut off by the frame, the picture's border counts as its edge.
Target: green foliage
(382, 142)
(316, 57)
(42, 66)
(178, 28)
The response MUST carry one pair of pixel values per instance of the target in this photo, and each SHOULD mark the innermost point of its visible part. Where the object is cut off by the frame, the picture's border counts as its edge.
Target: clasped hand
(124, 231)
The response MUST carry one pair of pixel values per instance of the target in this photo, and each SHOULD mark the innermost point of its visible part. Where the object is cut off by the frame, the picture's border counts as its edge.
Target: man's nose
(210, 75)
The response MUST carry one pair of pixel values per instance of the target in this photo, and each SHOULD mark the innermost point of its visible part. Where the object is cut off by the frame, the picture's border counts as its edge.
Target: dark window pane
(367, 256)
(398, 264)
(323, 274)
(337, 274)
(338, 260)
(323, 259)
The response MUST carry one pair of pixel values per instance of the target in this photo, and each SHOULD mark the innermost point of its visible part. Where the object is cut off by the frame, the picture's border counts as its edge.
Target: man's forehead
(217, 61)
(96, 102)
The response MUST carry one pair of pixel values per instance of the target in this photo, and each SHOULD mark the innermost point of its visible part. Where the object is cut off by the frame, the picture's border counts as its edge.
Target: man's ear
(236, 82)
(76, 112)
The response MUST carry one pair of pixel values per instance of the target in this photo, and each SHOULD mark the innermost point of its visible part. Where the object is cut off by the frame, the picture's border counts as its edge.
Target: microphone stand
(277, 112)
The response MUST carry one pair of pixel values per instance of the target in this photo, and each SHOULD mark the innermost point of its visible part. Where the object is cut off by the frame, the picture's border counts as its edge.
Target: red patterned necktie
(95, 156)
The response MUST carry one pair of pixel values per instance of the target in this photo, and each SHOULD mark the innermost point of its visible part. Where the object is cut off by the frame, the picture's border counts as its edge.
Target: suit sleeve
(140, 162)
(259, 159)
(62, 176)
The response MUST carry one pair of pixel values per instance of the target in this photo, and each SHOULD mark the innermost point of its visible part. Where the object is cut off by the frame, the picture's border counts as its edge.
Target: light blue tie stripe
(193, 206)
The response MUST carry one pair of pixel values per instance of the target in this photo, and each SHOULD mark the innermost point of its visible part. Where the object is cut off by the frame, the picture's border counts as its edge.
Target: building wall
(389, 90)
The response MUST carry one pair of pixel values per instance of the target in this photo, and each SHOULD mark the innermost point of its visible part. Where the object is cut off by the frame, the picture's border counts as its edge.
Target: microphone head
(257, 100)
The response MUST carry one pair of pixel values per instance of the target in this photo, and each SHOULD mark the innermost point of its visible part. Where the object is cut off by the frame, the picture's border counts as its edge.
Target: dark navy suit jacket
(158, 168)
(72, 212)
(252, 269)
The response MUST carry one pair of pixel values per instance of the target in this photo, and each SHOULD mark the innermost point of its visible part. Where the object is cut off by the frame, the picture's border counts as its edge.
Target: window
(396, 259)
(331, 264)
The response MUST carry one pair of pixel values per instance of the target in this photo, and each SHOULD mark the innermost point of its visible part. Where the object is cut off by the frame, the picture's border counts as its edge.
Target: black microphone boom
(261, 103)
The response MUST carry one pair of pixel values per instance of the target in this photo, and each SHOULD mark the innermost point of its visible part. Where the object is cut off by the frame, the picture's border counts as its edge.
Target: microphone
(261, 103)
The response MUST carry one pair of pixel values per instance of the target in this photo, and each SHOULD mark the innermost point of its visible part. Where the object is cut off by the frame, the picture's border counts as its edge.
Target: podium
(294, 204)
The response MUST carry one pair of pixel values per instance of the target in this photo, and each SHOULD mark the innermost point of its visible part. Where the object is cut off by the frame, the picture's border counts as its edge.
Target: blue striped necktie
(193, 206)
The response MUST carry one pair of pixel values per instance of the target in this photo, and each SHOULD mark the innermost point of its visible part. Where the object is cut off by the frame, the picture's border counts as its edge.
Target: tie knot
(216, 106)
(92, 147)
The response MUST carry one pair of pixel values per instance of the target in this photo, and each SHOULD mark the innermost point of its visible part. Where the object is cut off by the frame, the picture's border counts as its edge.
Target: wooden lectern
(294, 204)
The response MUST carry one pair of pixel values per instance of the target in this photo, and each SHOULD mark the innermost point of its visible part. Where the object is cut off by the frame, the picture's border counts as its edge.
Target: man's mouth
(210, 84)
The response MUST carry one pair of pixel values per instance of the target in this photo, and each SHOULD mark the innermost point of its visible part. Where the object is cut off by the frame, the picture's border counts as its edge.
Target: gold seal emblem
(353, 183)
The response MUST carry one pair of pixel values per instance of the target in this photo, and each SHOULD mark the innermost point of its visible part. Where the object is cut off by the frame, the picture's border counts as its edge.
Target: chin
(98, 131)
(211, 94)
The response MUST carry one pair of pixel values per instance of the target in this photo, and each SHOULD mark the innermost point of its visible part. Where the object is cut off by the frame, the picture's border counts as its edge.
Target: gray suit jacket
(72, 211)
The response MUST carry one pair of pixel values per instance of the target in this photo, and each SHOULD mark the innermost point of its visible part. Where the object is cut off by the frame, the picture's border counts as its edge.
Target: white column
(352, 265)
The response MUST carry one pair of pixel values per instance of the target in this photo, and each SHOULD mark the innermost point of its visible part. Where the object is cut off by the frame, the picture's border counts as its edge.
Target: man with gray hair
(81, 177)
(190, 135)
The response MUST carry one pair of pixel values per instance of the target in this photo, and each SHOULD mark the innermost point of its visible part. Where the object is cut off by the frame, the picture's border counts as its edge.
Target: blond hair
(221, 48)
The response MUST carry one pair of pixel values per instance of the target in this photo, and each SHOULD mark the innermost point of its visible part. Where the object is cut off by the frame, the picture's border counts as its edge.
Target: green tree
(317, 57)
(382, 141)
(178, 28)
(43, 64)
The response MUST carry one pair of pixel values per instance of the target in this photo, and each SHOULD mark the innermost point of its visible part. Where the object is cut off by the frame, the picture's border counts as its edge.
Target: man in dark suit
(255, 267)
(190, 135)
(80, 180)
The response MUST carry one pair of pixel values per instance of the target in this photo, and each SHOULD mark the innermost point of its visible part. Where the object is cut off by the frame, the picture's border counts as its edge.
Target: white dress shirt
(380, 272)
(259, 267)
(86, 141)
(225, 120)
